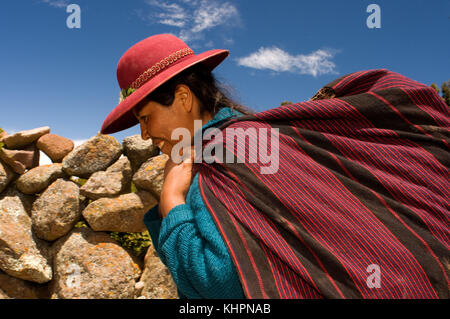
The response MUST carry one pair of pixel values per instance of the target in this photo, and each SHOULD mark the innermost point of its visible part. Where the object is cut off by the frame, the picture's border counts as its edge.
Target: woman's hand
(177, 179)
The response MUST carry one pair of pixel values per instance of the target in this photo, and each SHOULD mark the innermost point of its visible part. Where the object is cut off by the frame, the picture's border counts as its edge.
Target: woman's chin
(162, 147)
(166, 149)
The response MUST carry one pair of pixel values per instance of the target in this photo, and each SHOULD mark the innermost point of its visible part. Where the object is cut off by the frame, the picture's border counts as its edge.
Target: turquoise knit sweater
(190, 245)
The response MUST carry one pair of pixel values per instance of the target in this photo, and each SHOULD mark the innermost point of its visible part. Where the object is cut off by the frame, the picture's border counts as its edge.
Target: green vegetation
(81, 224)
(80, 181)
(434, 86)
(137, 242)
(445, 89)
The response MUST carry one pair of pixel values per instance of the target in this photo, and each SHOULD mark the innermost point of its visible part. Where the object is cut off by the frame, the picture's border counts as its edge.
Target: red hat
(147, 65)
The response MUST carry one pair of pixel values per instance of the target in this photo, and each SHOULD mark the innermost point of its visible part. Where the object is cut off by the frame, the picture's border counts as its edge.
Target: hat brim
(122, 117)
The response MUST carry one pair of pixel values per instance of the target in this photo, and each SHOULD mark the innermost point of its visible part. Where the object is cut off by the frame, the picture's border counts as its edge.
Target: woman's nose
(144, 133)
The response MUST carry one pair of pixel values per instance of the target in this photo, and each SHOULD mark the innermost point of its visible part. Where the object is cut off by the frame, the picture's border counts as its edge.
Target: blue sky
(279, 50)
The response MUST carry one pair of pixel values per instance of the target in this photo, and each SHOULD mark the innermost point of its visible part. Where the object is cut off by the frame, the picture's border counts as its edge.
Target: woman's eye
(144, 119)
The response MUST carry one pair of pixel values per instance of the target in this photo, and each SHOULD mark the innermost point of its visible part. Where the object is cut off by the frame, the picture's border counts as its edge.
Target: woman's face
(158, 121)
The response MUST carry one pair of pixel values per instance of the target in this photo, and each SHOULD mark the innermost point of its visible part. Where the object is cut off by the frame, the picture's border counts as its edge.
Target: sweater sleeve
(198, 260)
(153, 223)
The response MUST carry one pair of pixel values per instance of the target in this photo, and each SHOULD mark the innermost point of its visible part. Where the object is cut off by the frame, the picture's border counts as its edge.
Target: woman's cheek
(164, 149)
(167, 148)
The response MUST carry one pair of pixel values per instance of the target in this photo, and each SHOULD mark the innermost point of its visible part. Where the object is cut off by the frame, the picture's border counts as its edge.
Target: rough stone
(20, 160)
(22, 255)
(110, 183)
(6, 176)
(34, 161)
(57, 210)
(138, 287)
(15, 288)
(150, 176)
(37, 179)
(96, 154)
(26, 200)
(92, 265)
(23, 138)
(7, 157)
(138, 150)
(121, 214)
(55, 147)
(156, 278)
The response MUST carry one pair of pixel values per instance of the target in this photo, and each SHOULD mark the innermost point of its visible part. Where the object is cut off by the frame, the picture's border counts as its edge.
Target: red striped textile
(362, 181)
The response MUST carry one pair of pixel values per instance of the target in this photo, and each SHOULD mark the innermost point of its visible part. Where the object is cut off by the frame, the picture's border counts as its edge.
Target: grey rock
(96, 154)
(6, 176)
(121, 214)
(57, 210)
(15, 288)
(92, 265)
(7, 156)
(138, 150)
(23, 138)
(110, 183)
(20, 160)
(37, 179)
(138, 287)
(150, 176)
(156, 279)
(22, 255)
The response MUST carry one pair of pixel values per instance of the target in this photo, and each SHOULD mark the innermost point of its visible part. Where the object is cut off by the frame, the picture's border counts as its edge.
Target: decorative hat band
(152, 71)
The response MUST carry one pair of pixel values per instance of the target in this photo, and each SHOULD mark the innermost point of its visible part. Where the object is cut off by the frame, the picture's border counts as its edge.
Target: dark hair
(204, 85)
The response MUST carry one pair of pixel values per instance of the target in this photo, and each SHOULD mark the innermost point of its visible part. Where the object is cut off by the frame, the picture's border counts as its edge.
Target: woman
(205, 268)
(356, 208)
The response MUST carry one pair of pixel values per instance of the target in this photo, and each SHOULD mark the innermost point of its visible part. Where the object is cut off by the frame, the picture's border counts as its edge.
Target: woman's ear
(183, 95)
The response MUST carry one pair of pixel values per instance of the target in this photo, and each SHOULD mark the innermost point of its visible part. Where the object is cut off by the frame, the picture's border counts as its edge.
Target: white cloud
(192, 17)
(44, 159)
(78, 142)
(275, 59)
(172, 14)
(228, 41)
(173, 22)
(56, 3)
(209, 15)
(188, 35)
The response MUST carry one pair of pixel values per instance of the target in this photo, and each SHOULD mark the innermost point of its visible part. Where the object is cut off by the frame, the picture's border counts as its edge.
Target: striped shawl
(362, 190)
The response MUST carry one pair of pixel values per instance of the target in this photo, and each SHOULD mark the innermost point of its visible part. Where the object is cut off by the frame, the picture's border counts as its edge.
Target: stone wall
(44, 253)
